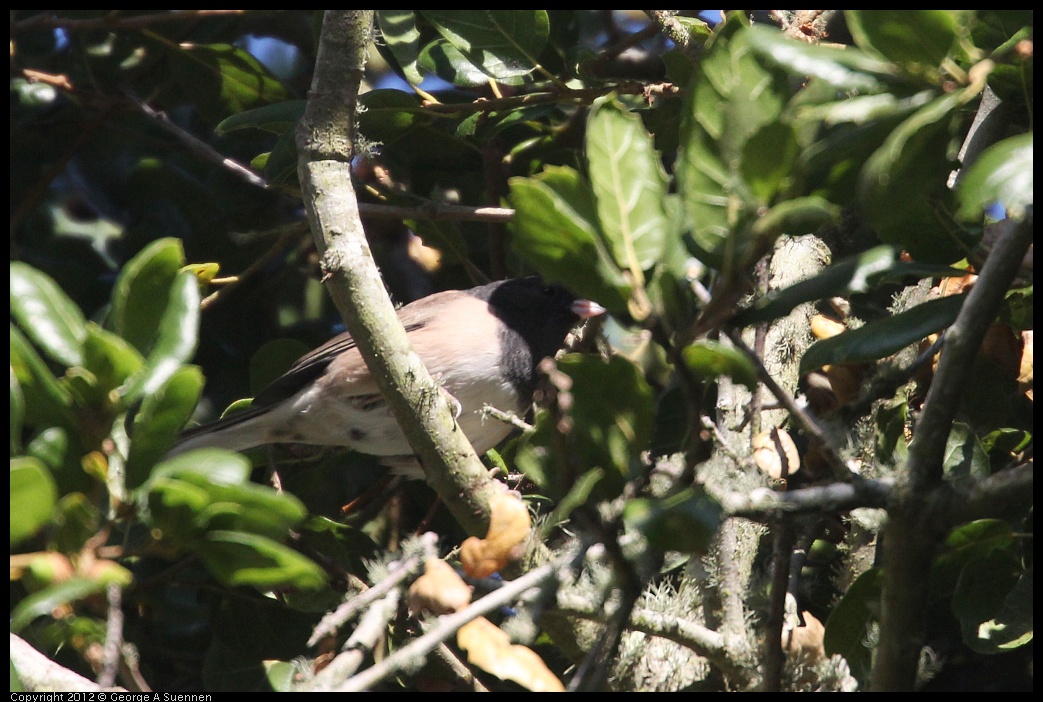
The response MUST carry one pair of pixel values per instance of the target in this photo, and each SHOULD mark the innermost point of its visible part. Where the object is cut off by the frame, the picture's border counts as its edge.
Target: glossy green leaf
(175, 509)
(904, 184)
(159, 421)
(220, 466)
(444, 60)
(501, 43)
(883, 337)
(255, 508)
(733, 97)
(17, 413)
(904, 35)
(241, 559)
(629, 185)
(51, 447)
(275, 119)
(769, 160)
(611, 416)
(981, 590)
(845, 68)
(280, 165)
(1002, 174)
(45, 601)
(395, 120)
(863, 109)
(47, 402)
(109, 358)
(142, 291)
(175, 344)
(398, 27)
(849, 624)
(797, 216)
(76, 521)
(556, 232)
(965, 461)
(47, 315)
(33, 496)
(686, 521)
(1011, 627)
(222, 79)
(964, 545)
(711, 359)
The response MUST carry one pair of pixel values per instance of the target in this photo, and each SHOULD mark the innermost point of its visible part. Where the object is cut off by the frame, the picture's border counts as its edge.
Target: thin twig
(398, 572)
(764, 505)
(113, 636)
(583, 96)
(437, 211)
(290, 236)
(195, 145)
(524, 587)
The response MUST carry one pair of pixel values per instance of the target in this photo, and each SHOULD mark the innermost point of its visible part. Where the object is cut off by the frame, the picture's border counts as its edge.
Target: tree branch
(911, 536)
(325, 140)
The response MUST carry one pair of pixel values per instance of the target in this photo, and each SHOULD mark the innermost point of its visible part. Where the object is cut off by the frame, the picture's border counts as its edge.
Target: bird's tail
(236, 432)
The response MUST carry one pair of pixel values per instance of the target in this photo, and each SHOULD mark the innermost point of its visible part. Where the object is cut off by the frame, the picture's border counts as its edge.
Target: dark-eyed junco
(482, 345)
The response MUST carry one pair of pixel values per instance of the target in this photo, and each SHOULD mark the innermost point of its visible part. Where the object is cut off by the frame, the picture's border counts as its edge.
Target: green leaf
(444, 60)
(849, 624)
(556, 232)
(711, 359)
(904, 184)
(905, 36)
(17, 413)
(47, 315)
(76, 521)
(733, 97)
(398, 27)
(175, 344)
(247, 507)
(240, 559)
(797, 216)
(1012, 627)
(983, 587)
(222, 79)
(47, 402)
(275, 119)
(220, 466)
(33, 496)
(501, 43)
(769, 160)
(1002, 174)
(964, 545)
(395, 120)
(45, 601)
(844, 68)
(142, 292)
(629, 185)
(280, 165)
(110, 359)
(611, 424)
(160, 420)
(175, 509)
(965, 461)
(686, 521)
(881, 338)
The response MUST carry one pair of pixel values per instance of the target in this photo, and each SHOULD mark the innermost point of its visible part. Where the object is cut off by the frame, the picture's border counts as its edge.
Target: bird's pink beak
(585, 309)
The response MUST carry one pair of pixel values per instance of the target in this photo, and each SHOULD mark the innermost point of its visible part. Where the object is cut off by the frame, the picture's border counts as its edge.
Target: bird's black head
(536, 318)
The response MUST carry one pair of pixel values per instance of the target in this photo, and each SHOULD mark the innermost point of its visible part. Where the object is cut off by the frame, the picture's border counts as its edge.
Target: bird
(482, 345)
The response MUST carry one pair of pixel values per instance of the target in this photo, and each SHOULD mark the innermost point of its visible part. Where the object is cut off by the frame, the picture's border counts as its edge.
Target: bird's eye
(549, 291)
